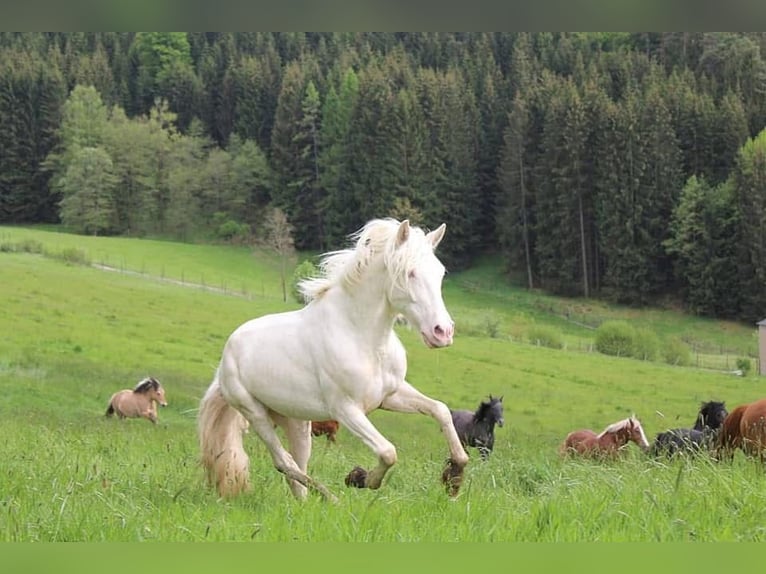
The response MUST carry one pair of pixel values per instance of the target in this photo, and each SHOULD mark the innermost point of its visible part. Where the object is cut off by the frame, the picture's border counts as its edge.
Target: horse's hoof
(357, 477)
(452, 477)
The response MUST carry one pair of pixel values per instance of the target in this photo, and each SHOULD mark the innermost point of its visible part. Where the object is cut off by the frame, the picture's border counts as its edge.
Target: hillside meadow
(74, 333)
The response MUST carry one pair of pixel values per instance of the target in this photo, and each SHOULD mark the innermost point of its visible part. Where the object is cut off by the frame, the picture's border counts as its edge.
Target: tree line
(619, 165)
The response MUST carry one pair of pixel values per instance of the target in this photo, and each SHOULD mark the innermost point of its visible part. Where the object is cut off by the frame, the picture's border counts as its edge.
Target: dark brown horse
(329, 428)
(749, 434)
(606, 444)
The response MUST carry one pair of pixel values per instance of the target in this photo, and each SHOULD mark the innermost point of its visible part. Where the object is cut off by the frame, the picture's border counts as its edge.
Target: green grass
(77, 334)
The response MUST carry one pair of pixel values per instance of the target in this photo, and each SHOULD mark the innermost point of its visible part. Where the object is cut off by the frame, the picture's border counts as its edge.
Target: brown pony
(139, 402)
(608, 443)
(329, 428)
(749, 434)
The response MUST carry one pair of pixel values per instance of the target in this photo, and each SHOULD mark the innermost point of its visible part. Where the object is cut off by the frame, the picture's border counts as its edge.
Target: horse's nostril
(441, 332)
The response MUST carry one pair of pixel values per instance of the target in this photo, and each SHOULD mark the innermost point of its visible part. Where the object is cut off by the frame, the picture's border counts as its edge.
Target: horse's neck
(366, 307)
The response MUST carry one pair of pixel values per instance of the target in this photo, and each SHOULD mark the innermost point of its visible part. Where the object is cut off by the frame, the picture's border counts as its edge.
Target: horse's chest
(384, 375)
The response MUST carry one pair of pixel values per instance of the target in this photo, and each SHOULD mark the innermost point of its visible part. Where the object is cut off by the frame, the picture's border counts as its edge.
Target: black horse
(477, 429)
(701, 436)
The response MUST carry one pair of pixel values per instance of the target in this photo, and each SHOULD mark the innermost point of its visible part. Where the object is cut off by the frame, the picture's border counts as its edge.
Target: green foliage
(230, 230)
(617, 338)
(744, 364)
(704, 244)
(87, 188)
(70, 256)
(568, 150)
(304, 270)
(676, 352)
(646, 345)
(545, 336)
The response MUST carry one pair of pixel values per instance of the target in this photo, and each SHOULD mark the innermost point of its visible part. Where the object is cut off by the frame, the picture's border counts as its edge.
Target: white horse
(337, 358)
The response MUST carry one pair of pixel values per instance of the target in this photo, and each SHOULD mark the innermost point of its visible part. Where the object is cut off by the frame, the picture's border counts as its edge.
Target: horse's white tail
(220, 428)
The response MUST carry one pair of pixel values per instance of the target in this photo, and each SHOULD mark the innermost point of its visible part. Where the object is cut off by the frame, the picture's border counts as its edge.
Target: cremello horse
(337, 358)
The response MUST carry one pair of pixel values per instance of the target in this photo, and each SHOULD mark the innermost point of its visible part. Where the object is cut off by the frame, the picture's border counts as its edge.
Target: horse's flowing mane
(376, 239)
(619, 425)
(146, 385)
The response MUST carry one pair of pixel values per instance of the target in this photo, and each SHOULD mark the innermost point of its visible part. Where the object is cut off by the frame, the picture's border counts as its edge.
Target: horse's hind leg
(299, 438)
(263, 425)
(407, 399)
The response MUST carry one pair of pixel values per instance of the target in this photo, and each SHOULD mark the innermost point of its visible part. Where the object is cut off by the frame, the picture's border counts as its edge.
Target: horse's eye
(411, 274)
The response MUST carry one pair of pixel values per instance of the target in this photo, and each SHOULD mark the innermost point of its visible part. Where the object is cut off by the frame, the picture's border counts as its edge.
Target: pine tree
(749, 183)
(515, 202)
(337, 111)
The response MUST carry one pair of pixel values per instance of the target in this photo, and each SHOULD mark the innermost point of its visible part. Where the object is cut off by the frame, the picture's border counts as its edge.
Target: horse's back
(462, 420)
(579, 441)
(127, 403)
(729, 436)
(753, 426)
(678, 440)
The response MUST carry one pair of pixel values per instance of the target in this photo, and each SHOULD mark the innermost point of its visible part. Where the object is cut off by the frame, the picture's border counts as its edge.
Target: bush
(743, 364)
(676, 352)
(616, 338)
(230, 230)
(304, 270)
(70, 256)
(545, 336)
(491, 326)
(645, 345)
(23, 246)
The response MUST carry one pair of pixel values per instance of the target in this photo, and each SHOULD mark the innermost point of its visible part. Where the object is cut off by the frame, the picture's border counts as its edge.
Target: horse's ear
(403, 232)
(501, 398)
(436, 235)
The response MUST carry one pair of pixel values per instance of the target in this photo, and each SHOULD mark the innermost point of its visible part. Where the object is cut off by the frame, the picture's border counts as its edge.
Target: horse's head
(152, 388)
(636, 432)
(490, 412)
(495, 411)
(711, 415)
(416, 283)
(159, 396)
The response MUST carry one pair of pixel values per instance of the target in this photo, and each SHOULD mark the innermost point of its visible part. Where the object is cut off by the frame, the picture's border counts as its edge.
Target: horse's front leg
(407, 399)
(360, 426)
(151, 412)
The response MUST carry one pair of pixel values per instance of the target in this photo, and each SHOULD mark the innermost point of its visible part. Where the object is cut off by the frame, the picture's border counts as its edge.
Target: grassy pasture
(72, 335)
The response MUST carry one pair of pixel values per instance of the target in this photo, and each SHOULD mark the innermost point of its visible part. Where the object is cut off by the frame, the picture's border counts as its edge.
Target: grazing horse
(608, 443)
(336, 358)
(329, 428)
(477, 429)
(745, 428)
(138, 402)
(702, 435)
